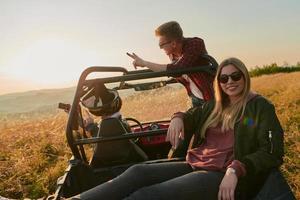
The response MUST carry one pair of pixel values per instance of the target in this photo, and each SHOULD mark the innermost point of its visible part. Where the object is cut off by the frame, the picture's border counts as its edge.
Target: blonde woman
(237, 141)
(238, 133)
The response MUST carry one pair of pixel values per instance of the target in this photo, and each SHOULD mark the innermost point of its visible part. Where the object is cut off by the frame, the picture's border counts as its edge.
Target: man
(183, 52)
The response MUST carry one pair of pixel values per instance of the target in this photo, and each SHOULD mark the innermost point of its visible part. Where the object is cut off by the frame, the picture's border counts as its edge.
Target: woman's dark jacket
(258, 141)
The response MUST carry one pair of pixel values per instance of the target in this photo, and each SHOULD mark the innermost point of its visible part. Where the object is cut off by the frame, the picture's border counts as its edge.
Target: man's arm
(155, 67)
(139, 62)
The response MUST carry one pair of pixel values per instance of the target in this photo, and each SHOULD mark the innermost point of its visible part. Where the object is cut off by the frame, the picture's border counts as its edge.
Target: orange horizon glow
(48, 45)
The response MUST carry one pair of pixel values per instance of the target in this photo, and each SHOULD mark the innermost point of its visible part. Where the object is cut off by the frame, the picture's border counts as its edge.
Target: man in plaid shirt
(183, 52)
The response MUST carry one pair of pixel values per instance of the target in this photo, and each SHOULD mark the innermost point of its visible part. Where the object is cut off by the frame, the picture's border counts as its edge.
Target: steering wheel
(136, 121)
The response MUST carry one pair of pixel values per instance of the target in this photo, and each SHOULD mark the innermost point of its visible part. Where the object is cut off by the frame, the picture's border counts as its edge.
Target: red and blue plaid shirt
(192, 48)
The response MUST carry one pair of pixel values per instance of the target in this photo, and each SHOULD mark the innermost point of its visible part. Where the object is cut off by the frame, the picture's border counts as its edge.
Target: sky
(48, 43)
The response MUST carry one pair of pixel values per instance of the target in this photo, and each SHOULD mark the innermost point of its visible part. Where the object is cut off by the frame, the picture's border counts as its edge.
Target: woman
(251, 121)
(237, 141)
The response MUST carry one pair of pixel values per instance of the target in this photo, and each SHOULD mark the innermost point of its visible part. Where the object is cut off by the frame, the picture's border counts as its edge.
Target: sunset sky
(48, 43)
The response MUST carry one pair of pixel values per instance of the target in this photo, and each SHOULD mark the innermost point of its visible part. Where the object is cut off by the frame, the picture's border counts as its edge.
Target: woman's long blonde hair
(223, 112)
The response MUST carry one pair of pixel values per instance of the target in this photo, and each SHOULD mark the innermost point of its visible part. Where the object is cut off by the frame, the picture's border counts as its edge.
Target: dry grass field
(34, 153)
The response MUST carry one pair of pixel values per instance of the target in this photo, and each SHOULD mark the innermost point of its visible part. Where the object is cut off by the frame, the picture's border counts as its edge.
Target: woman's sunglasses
(235, 76)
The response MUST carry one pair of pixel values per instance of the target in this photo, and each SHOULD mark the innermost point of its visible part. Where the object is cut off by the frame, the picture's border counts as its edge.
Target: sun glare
(51, 62)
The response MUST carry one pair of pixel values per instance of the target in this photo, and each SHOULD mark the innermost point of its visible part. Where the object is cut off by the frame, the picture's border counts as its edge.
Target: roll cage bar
(84, 85)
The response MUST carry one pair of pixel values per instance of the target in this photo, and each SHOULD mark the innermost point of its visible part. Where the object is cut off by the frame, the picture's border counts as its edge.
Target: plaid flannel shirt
(192, 48)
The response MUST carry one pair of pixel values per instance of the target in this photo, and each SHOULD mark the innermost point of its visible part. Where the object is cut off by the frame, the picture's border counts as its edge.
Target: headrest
(101, 101)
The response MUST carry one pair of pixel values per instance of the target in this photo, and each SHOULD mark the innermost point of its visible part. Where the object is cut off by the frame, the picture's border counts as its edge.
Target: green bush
(272, 69)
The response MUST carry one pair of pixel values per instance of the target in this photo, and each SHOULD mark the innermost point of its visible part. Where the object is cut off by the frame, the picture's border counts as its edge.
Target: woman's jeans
(171, 180)
(275, 188)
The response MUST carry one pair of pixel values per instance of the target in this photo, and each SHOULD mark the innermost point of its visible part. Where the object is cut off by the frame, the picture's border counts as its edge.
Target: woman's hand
(175, 131)
(228, 185)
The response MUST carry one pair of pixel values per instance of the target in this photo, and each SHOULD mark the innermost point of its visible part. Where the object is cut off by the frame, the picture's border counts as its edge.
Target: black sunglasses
(235, 76)
(163, 44)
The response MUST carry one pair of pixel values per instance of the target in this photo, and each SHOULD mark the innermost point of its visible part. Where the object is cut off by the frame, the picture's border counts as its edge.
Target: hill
(40, 101)
(37, 100)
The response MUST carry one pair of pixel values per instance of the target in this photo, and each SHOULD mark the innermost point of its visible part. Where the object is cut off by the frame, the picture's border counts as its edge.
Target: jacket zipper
(270, 139)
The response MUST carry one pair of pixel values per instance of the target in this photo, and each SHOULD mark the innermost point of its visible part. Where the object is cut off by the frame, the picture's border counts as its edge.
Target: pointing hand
(137, 61)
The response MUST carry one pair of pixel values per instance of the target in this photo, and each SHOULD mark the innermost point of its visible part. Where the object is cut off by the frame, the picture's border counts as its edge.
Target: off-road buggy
(99, 158)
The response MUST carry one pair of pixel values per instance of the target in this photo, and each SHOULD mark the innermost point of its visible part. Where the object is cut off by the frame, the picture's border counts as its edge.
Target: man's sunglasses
(163, 44)
(235, 76)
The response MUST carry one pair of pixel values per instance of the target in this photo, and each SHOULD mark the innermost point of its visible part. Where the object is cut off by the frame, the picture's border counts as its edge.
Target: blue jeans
(159, 181)
(275, 188)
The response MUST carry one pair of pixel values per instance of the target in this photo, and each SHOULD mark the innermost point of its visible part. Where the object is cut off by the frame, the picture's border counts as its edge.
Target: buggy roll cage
(85, 85)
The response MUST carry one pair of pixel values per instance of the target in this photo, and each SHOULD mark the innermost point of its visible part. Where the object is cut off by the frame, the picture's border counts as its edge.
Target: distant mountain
(47, 100)
(35, 100)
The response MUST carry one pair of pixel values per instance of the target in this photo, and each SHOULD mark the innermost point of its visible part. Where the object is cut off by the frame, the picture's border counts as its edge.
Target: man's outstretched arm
(139, 62)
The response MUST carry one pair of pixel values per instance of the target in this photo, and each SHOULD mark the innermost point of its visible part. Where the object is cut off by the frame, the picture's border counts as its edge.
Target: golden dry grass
(153, 105)
(284, 91)
(34, 153)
